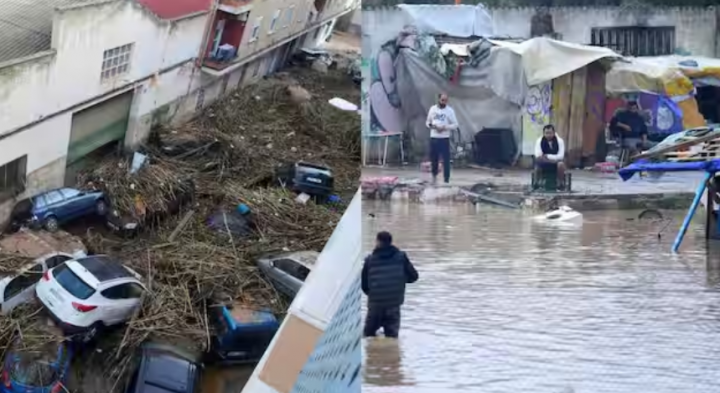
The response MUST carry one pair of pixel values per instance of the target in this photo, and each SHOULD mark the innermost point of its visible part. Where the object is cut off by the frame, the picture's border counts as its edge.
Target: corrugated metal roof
(173, 9)
(26, 26)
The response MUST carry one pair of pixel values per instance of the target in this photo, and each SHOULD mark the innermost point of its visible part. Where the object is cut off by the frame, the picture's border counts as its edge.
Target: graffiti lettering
(537, 104)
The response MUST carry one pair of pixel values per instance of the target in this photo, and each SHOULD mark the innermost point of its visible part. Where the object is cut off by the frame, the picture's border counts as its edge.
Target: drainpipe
(206, 34)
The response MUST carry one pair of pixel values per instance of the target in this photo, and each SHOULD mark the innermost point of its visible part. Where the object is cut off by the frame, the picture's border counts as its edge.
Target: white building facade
(83, 80)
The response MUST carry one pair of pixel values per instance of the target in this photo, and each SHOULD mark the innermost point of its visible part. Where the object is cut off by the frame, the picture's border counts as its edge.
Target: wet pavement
(507, 304)
(583, 182)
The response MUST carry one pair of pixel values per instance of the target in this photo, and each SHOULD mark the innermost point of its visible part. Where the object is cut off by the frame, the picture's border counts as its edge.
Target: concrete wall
(695, 27)
(267, 9)
(20, 87)
(83, 34)
(68, 79)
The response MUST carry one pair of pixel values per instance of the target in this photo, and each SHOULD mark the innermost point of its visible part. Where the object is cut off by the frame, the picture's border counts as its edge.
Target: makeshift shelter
(567, 89)
(691, 83)
(493, 87)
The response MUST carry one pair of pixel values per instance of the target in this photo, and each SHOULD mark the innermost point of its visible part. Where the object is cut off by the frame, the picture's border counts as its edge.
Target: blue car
(55, 207)
(33, 373)
(165, 369)
(241, 335)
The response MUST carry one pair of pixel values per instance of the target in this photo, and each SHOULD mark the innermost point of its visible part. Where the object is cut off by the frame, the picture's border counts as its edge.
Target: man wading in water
(441, 121)
(384, 275)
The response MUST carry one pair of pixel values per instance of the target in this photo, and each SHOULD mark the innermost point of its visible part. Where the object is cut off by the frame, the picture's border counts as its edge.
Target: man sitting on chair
(549, 155)
(629, 125)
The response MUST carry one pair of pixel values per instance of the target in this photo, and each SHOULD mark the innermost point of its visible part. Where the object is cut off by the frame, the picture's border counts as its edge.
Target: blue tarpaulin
(647, 166)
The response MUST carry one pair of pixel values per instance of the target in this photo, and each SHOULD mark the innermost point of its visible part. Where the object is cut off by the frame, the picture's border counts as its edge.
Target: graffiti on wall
(385, 105)
(662, 115)
(536, 115)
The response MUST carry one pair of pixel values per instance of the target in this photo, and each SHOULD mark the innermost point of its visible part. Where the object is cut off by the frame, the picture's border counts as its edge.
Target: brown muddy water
(507, 304)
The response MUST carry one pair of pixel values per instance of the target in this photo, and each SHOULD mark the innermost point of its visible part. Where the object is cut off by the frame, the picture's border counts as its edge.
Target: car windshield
(72, 283)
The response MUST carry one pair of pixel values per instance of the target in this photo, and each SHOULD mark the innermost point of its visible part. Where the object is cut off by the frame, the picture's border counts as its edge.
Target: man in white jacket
(441, 121)
(549, 154)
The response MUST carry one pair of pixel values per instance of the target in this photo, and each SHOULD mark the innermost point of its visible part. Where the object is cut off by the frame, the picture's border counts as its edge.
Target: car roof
(164, 371)
(104, 268)
(305, 258)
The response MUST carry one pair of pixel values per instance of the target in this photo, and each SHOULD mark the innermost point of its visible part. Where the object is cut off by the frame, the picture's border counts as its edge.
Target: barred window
(636, 40)
(116, 61)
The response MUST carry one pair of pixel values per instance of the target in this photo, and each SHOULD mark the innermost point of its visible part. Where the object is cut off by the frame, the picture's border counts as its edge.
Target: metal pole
(711, 229)
(691, 212)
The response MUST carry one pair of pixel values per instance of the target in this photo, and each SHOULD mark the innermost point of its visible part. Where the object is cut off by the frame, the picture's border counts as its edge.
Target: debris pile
(245, 136)
(154, 189)
(230, 152)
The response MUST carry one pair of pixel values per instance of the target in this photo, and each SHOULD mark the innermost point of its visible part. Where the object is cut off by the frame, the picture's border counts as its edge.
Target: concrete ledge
(420, 193)
(588, 202)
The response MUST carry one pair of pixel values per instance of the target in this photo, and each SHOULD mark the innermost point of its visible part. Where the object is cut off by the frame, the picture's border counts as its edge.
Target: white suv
(87, 294)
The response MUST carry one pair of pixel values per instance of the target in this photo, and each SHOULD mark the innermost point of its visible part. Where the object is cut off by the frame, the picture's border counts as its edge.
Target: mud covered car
(288, 271)
(55, 207)
(165, 369)
(43, 370)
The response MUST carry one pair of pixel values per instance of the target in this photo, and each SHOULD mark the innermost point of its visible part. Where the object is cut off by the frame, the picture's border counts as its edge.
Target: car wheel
(52, 224)
(100, 208)
(90, 335)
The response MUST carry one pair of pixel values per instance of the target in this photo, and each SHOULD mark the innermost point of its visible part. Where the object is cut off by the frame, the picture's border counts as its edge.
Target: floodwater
(506, 304)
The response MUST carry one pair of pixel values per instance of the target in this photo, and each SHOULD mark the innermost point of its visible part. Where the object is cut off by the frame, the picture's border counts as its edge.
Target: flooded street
(506, 304)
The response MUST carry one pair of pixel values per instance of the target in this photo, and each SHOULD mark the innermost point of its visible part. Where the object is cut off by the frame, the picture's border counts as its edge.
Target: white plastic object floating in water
(561, 214)
(343, 104)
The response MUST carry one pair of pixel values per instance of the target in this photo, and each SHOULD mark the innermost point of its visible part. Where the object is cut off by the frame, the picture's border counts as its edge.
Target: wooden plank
(715, 134)
(578, 93)
(594, 126)
(489, 199)
(181, 225)
(561, 105)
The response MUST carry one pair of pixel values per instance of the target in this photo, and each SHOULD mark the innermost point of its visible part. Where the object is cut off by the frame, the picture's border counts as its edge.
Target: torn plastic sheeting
(234, 222)
(544, 59)
(458, 49)
(484, 97)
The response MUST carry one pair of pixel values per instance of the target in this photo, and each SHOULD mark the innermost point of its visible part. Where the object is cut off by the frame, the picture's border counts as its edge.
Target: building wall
(283, 28)
(695, 27)
(45, 146)
(53, 86)
(20, 87)
(267, 9)
(85, 33)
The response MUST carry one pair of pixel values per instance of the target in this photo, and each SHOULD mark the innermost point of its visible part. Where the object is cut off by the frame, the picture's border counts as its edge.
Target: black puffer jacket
(384, 275)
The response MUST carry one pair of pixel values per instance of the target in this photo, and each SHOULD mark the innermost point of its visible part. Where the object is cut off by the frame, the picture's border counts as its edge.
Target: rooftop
(26, 26)
(173, 9)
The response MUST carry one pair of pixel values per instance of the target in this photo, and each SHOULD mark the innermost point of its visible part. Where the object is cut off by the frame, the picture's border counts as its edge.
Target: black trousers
(440, 149)
(387, 318)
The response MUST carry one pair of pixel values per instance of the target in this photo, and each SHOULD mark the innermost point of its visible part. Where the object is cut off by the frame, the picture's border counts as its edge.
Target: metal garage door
(95, 128)
(98, 126)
